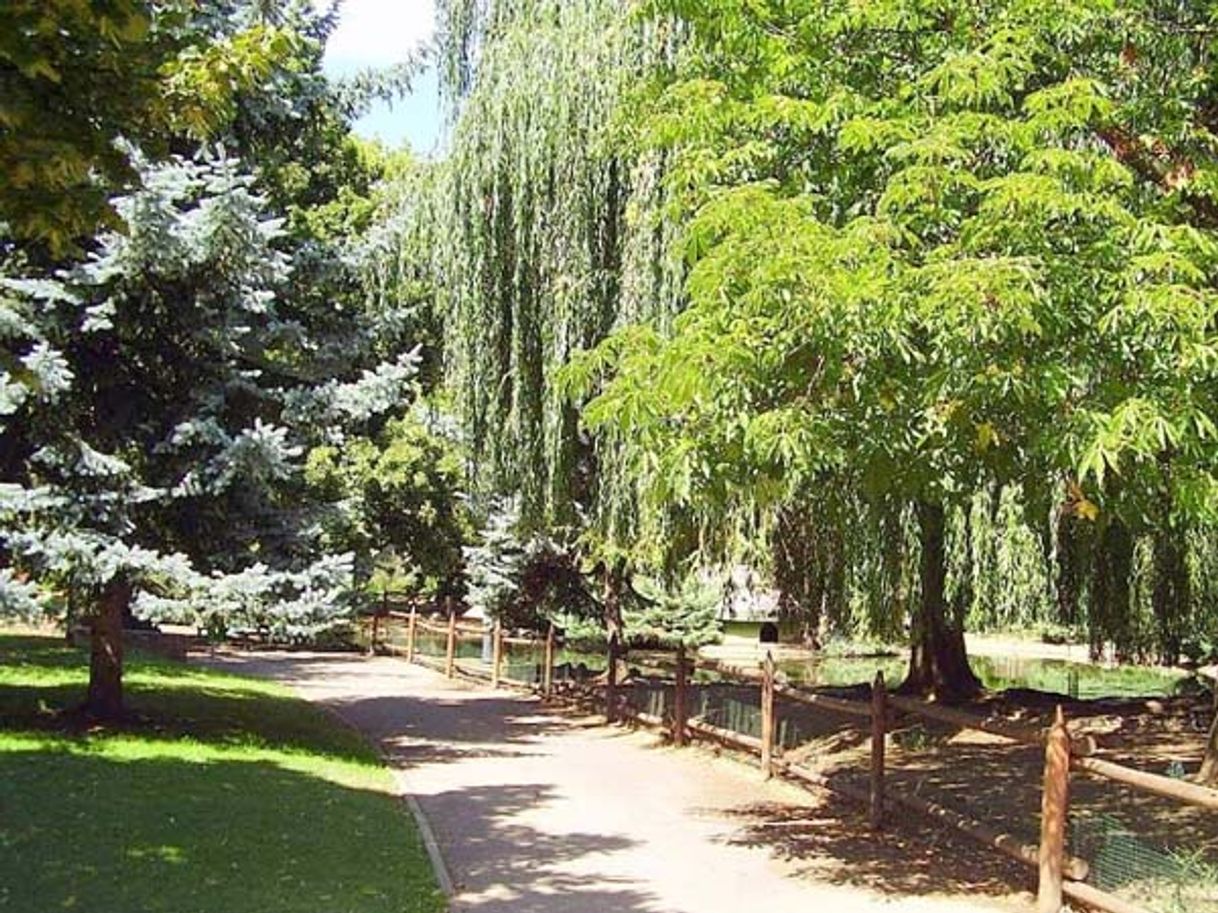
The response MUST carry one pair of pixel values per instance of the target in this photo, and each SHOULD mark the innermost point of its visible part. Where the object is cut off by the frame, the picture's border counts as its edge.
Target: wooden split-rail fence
(1061, 876)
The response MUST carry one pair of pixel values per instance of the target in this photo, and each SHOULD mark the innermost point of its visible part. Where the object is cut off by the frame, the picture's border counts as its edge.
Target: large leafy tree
(395, 500)
(935, 247)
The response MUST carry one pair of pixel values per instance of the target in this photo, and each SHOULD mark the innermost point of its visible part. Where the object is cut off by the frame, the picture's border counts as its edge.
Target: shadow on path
(833, 844)
(507, 865)
(535, 814)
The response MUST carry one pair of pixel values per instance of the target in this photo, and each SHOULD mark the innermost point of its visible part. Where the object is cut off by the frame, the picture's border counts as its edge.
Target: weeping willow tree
(937, 252)
(546, 230)
(545, 233)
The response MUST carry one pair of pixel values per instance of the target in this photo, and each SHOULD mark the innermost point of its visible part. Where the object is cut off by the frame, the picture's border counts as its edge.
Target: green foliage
(77, 77)
(399, 496)
(931, 252)
(532, 231)
(687, 614)
(158, 393)
(526, 580)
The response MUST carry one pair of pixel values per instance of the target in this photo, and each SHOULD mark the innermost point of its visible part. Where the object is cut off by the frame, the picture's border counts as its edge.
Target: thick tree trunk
(1110, 609)
(1208, 774)
(938, 662)
(1069, 567)
(797, 573)
(1170, 599)
(105, 698)
(615, 629)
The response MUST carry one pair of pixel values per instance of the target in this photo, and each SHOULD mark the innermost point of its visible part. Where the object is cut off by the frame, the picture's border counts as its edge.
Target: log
(1168, 787)
(638, 716)
(522, 641)
(853, 708)
(1004, 843)
(432, 627)
(820, 780)
(1029, 735)
(726, 736)
(516, 683)
(466, 631)
(1053, 811)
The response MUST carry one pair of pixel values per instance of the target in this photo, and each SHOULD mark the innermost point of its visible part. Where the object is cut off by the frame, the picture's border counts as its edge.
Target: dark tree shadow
(831, 842)
(93, 833)
(508, 867)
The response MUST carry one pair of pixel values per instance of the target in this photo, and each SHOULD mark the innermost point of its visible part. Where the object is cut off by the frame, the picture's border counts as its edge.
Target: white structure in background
(750, 610)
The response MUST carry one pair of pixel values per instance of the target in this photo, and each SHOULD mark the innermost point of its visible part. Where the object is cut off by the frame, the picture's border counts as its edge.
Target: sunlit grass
(221, 795)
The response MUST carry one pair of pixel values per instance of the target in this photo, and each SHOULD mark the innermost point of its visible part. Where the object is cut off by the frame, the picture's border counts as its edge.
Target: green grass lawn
(223, 795)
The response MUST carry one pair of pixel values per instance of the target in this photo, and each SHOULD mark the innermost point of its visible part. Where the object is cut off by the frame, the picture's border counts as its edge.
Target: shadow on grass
(45, 682)
(97, 834)
(214, 716)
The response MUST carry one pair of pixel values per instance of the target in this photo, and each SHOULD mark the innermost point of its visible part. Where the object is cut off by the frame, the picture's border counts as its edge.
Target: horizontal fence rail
(737, 708)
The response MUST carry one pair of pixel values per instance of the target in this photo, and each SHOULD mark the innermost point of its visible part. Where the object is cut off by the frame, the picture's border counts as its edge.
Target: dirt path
(537, 811)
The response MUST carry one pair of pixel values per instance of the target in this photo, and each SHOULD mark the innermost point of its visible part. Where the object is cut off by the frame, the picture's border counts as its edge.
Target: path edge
(439, 867)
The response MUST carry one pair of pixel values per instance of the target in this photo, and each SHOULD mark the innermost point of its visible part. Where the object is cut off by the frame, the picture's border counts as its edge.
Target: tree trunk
(615, 629)
(938, 662)
(105, 698)
(797, 574)
(1109, 616)
(1208, 775)
(1170, 599)
(1069, 567)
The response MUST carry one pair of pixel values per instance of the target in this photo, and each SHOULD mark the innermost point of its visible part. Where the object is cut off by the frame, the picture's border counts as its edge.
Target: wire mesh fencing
(1162, 879)
(835, 731)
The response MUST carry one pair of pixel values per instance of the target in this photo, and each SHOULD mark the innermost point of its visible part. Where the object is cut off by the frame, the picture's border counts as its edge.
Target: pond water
(1079, 680)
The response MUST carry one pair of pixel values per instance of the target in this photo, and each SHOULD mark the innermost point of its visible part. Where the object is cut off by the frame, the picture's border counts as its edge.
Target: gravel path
(539, 811)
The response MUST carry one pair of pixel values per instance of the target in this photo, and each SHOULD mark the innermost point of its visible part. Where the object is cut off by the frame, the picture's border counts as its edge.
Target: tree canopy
(906, 305)
(165, 379)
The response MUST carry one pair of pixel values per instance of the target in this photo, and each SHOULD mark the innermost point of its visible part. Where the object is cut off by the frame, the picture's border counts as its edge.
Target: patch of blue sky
(377, 33)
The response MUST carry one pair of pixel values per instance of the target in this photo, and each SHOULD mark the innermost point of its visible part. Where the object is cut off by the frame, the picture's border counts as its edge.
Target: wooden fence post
(1053, 811)
(680, 701)
(450, 658)
(372, 638)
(411, 633)
(879, 722)
(611, 682)
(547, 674)
(496, 654)
(767, 716)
